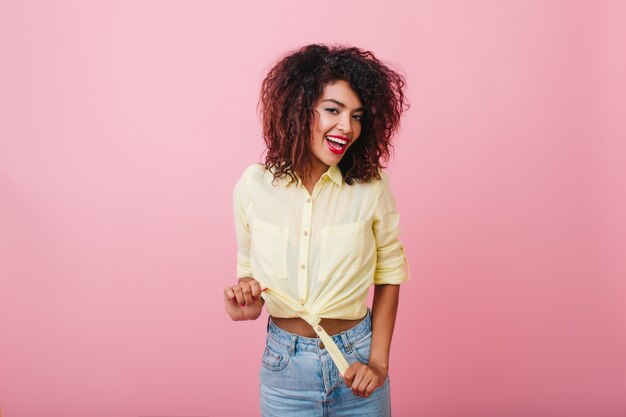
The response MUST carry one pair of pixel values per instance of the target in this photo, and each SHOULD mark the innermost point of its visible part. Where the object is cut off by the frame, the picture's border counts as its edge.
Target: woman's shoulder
(375, 187)
(382, 180)
(254, 169)
(255, 175)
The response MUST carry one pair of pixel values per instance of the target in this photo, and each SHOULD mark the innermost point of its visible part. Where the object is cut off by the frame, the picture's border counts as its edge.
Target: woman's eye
(358, 117)
(332, 110)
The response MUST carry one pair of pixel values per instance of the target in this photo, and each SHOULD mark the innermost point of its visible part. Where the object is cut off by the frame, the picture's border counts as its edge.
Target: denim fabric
(300, 379)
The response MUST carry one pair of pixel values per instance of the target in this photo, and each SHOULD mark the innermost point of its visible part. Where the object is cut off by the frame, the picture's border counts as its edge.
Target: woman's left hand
(364, 379)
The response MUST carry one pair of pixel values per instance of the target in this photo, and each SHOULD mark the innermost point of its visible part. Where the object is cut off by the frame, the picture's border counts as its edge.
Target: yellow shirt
(317, 254)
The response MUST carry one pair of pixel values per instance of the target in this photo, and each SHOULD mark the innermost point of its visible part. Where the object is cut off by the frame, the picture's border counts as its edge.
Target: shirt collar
(334, 173)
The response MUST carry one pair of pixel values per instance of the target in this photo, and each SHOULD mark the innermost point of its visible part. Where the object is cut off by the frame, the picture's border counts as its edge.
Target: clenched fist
(243, 300)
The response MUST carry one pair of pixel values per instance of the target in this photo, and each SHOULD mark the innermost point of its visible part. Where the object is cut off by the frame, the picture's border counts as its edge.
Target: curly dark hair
(291, 89)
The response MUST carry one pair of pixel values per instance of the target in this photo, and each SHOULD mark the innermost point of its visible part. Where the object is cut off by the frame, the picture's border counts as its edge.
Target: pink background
(125, 124)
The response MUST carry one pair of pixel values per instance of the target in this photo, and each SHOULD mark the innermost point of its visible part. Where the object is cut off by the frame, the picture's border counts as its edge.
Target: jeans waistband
(344, 340)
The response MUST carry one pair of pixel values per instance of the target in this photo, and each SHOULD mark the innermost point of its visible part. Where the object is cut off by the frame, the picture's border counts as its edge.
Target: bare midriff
(300, 327)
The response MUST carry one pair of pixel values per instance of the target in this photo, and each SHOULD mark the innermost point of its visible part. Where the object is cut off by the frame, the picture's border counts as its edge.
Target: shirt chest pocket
(268, 249)
(341, 250)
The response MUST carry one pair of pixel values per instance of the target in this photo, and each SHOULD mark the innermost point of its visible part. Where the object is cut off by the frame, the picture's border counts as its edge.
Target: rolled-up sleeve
(391, 264)
(242, 230)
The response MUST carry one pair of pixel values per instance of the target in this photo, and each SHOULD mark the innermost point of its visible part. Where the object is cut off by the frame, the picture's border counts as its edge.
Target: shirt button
(305, 233)
(308, 200)
(303, 266)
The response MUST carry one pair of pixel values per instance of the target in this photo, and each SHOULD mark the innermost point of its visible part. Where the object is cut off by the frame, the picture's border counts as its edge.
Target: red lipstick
(337, 144)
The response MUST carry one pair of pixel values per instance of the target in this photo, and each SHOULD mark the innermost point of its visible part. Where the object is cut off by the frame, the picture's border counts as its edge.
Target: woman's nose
(345, 125)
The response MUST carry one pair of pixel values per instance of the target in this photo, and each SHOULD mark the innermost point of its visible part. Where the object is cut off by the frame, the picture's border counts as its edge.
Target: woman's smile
(337, 144)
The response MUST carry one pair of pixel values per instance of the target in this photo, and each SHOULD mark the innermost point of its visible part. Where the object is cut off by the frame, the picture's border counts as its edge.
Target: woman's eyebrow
(340, 104)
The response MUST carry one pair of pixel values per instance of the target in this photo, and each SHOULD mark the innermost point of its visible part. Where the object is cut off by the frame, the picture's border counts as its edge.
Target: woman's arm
(364, 379)
(243, 300)
(384, 309)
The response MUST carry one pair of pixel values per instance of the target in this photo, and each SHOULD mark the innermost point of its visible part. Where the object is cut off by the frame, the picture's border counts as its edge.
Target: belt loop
(346, 342)
(292, 348)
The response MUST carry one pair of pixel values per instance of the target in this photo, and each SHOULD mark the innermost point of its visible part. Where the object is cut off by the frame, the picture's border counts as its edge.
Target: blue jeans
(298, 378)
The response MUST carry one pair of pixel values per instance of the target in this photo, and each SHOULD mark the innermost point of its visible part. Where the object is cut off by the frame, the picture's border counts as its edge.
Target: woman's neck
(317, 170)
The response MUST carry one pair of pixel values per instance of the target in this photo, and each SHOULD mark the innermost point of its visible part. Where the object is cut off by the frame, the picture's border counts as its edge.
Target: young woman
(316, 225)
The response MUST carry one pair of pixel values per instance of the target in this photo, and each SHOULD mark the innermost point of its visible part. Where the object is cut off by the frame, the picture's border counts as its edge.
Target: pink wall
(124, 125)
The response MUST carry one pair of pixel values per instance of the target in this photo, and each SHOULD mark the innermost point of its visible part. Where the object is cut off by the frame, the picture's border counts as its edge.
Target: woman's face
(336, 124)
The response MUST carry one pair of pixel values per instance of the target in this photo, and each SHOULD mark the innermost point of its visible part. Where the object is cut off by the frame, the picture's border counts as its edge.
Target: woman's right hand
(243, 300)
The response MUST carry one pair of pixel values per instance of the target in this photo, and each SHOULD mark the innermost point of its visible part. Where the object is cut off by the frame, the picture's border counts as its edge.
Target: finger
(229, 294)
(349, 374)
(358, 378)
(247, 294)
(362, 378)
(365, 382)
(370, 388)
(255, 287)
(239, 295)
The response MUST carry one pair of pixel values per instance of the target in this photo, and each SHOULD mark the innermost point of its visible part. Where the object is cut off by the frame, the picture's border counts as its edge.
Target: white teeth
(337, 140)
